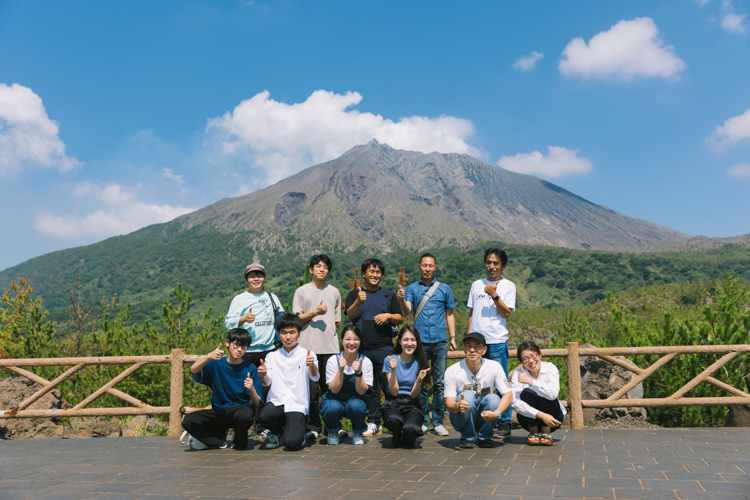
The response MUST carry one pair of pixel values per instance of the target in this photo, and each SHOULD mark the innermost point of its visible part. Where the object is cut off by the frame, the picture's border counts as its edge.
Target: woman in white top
(349, 375)
(536, 385)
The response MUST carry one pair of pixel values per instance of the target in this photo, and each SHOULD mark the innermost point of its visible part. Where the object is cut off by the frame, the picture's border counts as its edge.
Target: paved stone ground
(615, 464)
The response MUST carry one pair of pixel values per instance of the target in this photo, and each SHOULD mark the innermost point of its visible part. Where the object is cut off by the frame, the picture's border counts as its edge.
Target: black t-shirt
(377, 302)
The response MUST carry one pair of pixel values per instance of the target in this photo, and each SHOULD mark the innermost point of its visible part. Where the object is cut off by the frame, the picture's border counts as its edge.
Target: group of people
(274, 361)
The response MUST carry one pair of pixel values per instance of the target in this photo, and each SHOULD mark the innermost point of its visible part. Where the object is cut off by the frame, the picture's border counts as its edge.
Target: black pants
(403, 416)
(551, 406)
(372, 396)
(210, 426)
(291, 424)
(255, 357)
(317, 389)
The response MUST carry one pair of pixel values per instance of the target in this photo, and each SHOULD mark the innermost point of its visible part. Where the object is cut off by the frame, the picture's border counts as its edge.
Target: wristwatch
(494, 299)
(358, 374)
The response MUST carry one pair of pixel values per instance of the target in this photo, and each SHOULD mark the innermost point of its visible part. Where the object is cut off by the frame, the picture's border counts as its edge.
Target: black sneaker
(485, 443)
(502, 430)
(466, 444)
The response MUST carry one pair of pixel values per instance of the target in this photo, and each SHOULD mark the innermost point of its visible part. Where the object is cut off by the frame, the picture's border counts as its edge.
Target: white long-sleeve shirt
(290, 376)
(546, 385)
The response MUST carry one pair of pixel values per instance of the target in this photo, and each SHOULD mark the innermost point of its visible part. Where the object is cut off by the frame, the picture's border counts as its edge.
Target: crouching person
(235, 395)
(287, 373)
(349, 376)
(469, 393)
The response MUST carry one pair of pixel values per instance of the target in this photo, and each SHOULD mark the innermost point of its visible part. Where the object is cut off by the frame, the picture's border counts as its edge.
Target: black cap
(476, 336)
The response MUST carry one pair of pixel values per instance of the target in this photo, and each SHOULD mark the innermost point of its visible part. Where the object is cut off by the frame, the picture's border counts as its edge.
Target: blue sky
(117, 115)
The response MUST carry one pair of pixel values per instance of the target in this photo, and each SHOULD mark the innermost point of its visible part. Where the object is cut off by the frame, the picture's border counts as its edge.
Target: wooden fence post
(574, 387)
(176, 387)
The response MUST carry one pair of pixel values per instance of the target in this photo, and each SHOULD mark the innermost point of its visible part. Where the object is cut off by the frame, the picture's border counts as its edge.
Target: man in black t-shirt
(377, 313)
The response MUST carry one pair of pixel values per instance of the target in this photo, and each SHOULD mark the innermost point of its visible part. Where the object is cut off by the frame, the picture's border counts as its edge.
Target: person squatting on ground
(349, 376)
(407, 372)
(377, 314)
(319, 307)
(434, 319)
(235, 394)
(491, 301)
(470, 399)
(536, 386)
(256, 311)
(287, 373)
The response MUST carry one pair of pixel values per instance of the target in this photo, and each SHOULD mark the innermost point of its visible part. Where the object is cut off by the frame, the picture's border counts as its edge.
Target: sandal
(545, 440)
(533, 439)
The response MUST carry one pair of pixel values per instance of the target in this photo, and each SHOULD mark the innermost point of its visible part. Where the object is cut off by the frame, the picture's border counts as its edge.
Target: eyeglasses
(235, 345)
(529, 357)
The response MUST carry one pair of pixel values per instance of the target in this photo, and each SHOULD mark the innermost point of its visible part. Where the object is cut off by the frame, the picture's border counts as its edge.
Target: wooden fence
(573, 352)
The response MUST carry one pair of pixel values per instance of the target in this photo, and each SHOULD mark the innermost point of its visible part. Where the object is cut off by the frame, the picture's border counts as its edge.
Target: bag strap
(426, 298)
(275, 309)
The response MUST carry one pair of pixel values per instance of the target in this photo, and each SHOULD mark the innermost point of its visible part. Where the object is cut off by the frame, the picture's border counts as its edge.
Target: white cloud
(740, 170)
(525, 63)
(121, 213)
(630, 49)
(28, 138)
(734, 129)
(558, 163)
(285, 138)
(734, 23)
(169, 174)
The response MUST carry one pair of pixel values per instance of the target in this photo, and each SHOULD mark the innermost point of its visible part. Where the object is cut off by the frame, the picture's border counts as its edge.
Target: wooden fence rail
(573, 352)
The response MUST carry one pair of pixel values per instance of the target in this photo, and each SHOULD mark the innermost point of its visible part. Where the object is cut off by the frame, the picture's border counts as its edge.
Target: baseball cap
(254, 267)
(476, 336)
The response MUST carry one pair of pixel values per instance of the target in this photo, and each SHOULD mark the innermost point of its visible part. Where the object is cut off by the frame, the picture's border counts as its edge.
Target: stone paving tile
(643, 494)
(668, 484)
(580, 492)
(702, 495)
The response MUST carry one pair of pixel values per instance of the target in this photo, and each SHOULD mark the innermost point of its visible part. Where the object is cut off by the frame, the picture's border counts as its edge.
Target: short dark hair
(350, 327)
(321, 258)
(368, 263)
(239, 336)
(527, 346)
(289, 320)
(427, 254)
(500, 254)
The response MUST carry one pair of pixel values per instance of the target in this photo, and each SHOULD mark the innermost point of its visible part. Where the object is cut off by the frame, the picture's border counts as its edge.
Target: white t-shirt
(290, 378)
(484, 317)
(332, 367)
(547, 385)
(458, 378)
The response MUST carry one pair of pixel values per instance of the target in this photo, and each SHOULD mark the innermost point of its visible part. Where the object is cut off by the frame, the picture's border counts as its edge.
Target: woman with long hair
(536, 385)
(348, 375)
(407, 372)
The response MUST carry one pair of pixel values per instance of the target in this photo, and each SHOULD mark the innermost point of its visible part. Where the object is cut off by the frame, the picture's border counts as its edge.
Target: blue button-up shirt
(431, 321)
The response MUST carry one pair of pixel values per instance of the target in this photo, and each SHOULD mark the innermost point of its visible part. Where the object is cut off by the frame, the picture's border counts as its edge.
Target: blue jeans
(499, 353)
(471, 424)
(333, 410)
(437, 356)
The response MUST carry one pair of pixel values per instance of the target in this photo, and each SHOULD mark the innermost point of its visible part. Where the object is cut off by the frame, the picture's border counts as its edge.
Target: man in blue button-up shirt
(433, 322)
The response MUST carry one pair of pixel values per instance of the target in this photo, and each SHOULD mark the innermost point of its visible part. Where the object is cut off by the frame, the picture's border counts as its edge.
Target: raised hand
(489, 416)
(524, 378)
(310, 361)
(393, 362)
(342, 363)
(422, 374)
(248, 317)
(490, 289)
(262, 370)
(463, 405)
(321, 309)
(217, 353)
(249, 383)
(356, 365)
(362, 296)
(400, 293)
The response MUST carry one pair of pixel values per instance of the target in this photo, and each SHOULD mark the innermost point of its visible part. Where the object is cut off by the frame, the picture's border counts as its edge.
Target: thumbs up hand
(463, 405)
(310, 361)
(401, 294)
(393, 362)
(262, 370)
(422, 374)
(248, 317)
(321, 309)
(356, 365)
(362, 296)
(249, 384)
(342, 363)
(217, 353)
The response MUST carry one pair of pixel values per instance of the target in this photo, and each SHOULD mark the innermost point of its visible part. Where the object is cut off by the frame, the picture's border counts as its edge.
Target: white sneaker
(265, 434)
(342, 434)
(425, 429)
(372, 430)
(357, 438)
(441, 431)
(185, 438)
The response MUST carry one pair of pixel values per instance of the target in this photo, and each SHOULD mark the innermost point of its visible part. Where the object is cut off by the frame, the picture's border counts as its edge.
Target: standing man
(377, 314)
(318, 305)
(491, 300)
(256, 311)
(433, 318)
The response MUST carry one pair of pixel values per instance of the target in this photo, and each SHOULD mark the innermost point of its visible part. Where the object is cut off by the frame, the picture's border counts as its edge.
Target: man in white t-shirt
(491, 300)
(470, 396)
